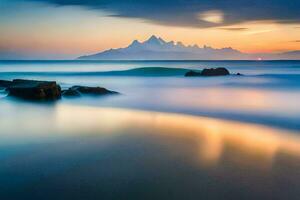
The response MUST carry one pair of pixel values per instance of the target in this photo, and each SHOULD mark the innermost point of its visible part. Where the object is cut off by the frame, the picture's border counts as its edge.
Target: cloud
(295, 41)
(213, 13)
(258, 32)
(234, 29)
(213, 16)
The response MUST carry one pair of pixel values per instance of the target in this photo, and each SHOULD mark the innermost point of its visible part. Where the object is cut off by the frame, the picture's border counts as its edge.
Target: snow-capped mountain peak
(153, 40)
(155, 48)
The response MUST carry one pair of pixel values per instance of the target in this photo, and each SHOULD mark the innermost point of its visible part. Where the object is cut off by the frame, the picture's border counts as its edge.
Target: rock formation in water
(34, 90)
(48, 90)
(76, 91)
(221, 71)
(192, 73)
(210, 72)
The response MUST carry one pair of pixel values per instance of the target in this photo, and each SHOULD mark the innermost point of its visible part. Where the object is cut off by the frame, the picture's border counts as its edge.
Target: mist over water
(78, 152)
(165, 137)
(267, 94)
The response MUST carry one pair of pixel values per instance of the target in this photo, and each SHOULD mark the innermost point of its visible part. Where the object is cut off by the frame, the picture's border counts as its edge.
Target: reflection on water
(211, 133)
(72, 152)
(268, 93)
(236, 99)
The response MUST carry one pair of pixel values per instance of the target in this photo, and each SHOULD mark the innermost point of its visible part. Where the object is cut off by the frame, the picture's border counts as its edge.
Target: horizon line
(142, 60)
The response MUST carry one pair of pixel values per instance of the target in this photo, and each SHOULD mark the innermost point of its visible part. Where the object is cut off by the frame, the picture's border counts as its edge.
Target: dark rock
(5, 84)
(239, 74)
(47, 90)
(76, 91)
(71, 93)
(209, 72)
(192, 73)
(34, 90)
(215, 72)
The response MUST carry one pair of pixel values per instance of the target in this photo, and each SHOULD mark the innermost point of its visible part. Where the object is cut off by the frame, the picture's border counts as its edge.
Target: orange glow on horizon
(98, 33)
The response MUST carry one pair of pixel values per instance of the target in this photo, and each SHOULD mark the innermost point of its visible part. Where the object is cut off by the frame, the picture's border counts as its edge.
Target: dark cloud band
(234, 29)
(186, 12)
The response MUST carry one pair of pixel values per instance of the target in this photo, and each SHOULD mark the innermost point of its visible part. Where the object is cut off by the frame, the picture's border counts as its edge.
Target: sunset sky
(65, 29)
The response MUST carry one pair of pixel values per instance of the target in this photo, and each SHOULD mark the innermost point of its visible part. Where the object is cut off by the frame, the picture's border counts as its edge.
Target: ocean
(268, 93)
(165, 136)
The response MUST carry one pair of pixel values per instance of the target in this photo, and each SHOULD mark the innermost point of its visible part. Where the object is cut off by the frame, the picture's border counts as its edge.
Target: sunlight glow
(214, 138)
(213, 16)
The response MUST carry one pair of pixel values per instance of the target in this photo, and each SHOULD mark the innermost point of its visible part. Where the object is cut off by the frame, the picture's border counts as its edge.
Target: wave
(144, 71)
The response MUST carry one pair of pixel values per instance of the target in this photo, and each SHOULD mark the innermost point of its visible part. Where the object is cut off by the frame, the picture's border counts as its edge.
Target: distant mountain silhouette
(155, 48)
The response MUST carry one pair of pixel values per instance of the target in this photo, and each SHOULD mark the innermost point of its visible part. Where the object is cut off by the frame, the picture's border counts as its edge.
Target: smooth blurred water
(76, 152)
(247, 67)
(268, 93)
(234, 137)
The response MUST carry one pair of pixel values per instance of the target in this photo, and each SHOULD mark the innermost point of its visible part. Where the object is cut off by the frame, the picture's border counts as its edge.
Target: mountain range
(155, 48)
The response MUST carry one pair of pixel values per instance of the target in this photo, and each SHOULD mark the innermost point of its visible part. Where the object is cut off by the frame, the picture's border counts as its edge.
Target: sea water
(165, 136)
(268, 93)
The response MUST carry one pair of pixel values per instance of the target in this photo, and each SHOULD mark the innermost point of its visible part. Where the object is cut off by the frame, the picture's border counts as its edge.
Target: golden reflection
(232, 99)
(215, 139)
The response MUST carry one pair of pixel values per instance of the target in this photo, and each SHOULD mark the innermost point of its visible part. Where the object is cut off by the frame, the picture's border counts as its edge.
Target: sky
(66, 29)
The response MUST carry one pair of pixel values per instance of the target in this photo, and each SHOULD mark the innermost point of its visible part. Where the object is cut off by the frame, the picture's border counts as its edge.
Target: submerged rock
(192, 73)
(221, 71)
(34, 90)
(70, 93)
(76, 91)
